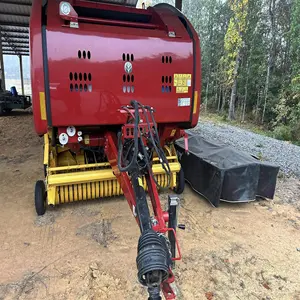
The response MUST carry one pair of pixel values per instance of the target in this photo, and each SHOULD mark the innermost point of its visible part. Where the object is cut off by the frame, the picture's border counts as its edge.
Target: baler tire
(40, 197)
(180, 182)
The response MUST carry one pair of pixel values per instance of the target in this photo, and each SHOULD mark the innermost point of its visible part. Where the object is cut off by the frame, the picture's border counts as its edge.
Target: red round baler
(112, 88)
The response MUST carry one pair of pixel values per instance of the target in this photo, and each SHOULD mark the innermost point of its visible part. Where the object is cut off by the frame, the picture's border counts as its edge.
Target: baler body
(79, 75)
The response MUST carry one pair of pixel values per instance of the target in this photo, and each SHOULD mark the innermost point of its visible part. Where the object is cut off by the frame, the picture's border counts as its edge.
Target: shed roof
(14, 26)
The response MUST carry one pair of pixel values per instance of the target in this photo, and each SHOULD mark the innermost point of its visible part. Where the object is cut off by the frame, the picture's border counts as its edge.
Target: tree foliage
(250, 59)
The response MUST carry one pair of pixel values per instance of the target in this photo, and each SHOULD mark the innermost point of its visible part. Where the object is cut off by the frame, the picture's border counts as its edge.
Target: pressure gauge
(65, 8)
(63, 138)
(71, 131)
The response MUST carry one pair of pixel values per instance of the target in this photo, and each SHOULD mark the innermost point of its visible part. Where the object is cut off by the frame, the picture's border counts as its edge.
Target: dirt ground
(87, 250)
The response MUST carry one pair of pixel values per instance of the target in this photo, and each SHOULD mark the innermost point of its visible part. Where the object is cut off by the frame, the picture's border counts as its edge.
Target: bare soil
(87, 250)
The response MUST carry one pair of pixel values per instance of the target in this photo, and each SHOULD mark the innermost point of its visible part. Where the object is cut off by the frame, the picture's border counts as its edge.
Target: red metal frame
(111, 152)
(160, 215)
(166, 287)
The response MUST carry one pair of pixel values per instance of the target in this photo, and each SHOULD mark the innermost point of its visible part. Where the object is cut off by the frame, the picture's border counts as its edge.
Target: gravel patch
(281, 153)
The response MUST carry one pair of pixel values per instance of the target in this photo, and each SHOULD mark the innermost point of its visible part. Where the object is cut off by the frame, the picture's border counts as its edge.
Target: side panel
(37, 74)
(164, 11)
(198, 79)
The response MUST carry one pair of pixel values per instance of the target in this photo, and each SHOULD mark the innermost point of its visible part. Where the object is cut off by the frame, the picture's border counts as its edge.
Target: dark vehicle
(10, 100)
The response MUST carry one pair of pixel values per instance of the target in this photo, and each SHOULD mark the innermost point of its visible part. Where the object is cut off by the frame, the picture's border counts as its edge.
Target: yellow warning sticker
(182, 89)
(173, 132)
(182, 80)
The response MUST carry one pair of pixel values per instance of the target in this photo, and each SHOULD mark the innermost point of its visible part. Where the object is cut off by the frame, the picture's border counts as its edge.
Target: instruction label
(184, 101)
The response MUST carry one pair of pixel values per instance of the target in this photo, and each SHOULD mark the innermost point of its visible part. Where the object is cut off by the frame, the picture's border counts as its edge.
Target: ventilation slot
(166, 89)
(166, 80)
(84, 54)
(166, 59)
(128, 89)
(76, 82)
(128, 78)
(127, 57)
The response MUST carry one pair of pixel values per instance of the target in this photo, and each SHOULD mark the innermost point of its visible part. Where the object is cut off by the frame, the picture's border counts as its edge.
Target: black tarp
(222, 173)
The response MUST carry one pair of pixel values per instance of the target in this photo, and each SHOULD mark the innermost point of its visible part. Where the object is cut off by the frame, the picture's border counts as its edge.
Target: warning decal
(182, 82)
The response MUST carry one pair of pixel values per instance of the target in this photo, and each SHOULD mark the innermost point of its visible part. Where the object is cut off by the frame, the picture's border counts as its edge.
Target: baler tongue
(136, 144)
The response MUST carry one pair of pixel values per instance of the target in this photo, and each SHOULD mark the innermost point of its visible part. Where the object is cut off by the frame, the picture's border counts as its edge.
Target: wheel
(180, 182)
(40, 197)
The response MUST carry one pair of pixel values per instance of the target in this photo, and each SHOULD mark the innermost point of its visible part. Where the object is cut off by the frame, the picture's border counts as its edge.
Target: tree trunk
(231, 112)
(244, 104)
(216, 94)
(257, 106)
(246, 93)
(224, 95)
(206, 95)
(271, 55)
(266, 90)
(219, 101)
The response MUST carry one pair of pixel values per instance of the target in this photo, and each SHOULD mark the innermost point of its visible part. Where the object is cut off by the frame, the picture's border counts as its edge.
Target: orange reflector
(43, 106)
(195, 102)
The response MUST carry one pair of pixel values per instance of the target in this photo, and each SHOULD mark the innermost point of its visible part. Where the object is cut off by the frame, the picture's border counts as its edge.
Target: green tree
(233, 44)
